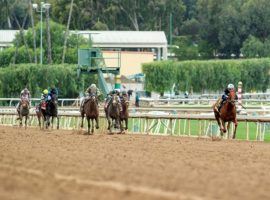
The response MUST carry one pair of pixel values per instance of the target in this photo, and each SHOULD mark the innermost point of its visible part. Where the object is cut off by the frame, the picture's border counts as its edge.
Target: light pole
(43, 8)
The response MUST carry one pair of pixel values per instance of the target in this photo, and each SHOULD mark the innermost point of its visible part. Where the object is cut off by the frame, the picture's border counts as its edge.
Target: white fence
(62, 101)
(255, 128)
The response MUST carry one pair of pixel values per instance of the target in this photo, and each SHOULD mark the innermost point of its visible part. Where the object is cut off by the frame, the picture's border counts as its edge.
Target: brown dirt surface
(66, 165)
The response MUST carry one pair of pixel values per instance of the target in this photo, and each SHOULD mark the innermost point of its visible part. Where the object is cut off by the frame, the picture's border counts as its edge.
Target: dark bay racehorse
(90, 110)
(113, 113)
(124, 114)
(47, 111)
(24, 111)
(227, 114)
(52, 111)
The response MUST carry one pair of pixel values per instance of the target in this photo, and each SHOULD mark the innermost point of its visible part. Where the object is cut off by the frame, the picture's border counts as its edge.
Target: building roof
(113, 39)
(129, 39)
(6, 37)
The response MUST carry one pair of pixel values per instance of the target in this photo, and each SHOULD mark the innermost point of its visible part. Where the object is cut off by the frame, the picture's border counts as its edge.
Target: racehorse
(227, 114)
(124, 114)
(24, 111)
(41, 112)
(90, 110)
(48, 110)
(113, 113)
(52, 111)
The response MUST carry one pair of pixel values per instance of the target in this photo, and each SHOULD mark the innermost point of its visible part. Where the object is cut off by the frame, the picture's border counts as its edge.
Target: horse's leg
(21, 119)
(47, 121)
(82, 115)
(52, 122)
(25, 123)
(121, 125)
(222, 126)
(92, 125)
(44, 121)
(109, 124)
(235, 127)
(57, 117)
(88, 122)
(126, 121)
(39, 122)
(228, 129)
(97, 123)
(219, 122)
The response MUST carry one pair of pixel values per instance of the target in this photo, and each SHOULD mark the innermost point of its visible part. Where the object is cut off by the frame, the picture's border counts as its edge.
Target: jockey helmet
(93, 85)
(230, 86)
(45, 91)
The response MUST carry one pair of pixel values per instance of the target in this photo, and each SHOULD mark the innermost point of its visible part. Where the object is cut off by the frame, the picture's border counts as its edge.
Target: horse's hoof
(97, 127)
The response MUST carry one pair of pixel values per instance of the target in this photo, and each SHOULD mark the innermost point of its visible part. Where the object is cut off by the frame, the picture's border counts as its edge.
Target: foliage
(207, 75)
(37, 78)
(57, 39)
(185, 48)
(100, 26)
(252, 47)
(219, 27)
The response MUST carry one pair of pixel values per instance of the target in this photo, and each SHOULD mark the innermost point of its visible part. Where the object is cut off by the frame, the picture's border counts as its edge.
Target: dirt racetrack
(67, 165)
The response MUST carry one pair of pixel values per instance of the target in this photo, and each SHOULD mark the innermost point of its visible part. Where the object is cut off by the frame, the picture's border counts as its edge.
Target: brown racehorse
(113, 113)
(124, 114)
(90, 109)
(24, 111)
(227, 114)
(40, 111)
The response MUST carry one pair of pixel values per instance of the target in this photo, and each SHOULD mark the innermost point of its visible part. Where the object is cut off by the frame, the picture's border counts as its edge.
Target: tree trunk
(22, 35)
(67, 32)
(49, 46)
(133, 18)
(33, 30)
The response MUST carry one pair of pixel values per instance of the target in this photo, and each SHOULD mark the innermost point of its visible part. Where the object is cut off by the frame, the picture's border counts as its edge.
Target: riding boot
(220, 106)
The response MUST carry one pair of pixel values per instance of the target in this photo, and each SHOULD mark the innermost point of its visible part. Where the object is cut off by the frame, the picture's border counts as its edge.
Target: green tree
(252, 47)
(185, 48)
(57, 46)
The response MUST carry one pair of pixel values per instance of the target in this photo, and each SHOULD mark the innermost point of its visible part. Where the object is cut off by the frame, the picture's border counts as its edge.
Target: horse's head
(53, 99)
(24, 102)
(93, 99)
(231, 97)
(114, 100)
(125, 101)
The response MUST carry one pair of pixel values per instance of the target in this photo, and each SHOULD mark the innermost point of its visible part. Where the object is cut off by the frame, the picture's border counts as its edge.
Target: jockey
(224, 97)
(124, 94)
(53, 92)
(25, 94)
(92, 90)
(108, 99)
(45, 95)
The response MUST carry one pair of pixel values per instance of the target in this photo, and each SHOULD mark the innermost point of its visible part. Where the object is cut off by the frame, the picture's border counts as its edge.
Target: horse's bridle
(231, 100)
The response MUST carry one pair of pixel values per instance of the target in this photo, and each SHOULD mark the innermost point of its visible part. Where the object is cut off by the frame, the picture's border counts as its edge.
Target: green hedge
(203, 76)
(14, 78)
